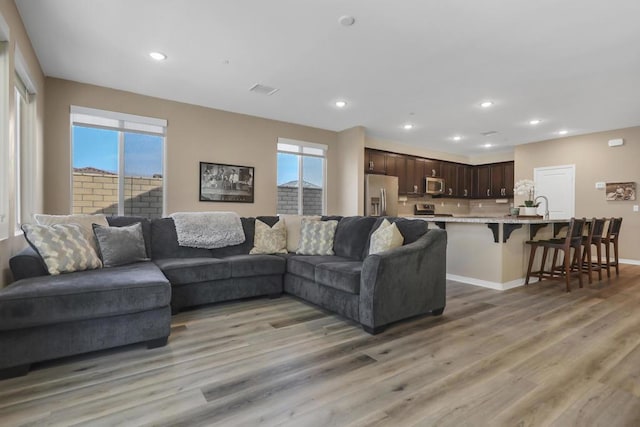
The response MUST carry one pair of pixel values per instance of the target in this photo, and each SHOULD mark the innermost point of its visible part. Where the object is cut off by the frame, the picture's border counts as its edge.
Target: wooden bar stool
(611, 239)
(594, 237)
(573, 240)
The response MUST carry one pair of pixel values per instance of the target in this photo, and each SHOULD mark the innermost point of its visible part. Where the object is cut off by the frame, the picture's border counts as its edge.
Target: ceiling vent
(262, 89)
(489, 133)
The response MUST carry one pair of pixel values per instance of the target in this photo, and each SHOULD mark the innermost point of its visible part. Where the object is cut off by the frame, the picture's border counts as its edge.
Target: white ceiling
(574, 64)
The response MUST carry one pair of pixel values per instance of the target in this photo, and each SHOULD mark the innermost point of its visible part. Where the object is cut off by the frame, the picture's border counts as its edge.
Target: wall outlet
(479, 205)
(635, 208)
(600, 185)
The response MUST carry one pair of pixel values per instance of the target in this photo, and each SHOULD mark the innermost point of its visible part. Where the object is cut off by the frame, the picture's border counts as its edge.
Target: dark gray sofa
(104, 308)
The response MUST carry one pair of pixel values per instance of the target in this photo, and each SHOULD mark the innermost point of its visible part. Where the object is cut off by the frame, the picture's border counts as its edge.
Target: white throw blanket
(208, 230)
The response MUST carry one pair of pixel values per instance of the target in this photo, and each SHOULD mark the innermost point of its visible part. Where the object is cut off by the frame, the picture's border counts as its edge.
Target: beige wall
(350, 170)
(18, 39)
(194, 134)
(595, 161)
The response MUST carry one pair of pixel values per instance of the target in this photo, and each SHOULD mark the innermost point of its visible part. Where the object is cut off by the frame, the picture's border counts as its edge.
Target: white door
(557, 183)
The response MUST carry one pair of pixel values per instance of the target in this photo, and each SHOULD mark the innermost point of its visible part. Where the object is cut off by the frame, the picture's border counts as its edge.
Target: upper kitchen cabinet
(396, 165)
(433, 168)
(374, 161)
(463, 187)
(481, 182)
(450, 176)
(502, 179)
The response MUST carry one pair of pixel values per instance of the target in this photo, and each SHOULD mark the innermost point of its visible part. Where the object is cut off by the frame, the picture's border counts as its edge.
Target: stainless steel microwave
(434, 186)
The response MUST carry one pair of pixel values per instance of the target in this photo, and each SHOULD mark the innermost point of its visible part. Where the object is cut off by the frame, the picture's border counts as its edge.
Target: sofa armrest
(27, 263)
(405, 281)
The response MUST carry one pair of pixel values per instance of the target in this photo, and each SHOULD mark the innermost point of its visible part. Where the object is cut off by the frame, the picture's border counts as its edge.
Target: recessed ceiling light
(534, 121)
(408, 126)
(486, 104)
(563, 132)
(487, 145)
(158, 56)
(457, 138)
(341, 104)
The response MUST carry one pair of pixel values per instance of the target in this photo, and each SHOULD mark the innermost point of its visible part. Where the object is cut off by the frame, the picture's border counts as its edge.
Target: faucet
(546, 205)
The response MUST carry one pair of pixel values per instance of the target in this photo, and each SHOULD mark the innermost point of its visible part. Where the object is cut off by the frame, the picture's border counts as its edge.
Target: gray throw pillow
(120, 245)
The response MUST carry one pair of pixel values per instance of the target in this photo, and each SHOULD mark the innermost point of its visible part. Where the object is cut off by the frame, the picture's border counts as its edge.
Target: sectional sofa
(44, 317)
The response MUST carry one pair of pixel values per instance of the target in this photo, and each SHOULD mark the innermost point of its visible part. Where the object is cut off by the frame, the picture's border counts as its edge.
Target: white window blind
(103, 119)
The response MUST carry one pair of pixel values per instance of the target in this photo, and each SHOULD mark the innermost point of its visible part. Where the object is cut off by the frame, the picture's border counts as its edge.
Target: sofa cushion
(120, 245)
(84, 221)
(269, 240)
(164, 242)
(123, 221)
(344, 276)
(83, 295)
(248, 225)
(63, 247)
(351, 236)
(386, 237)
(255, 265)
(182, 271)
(411, 229)
(316, 237)
(305, 265)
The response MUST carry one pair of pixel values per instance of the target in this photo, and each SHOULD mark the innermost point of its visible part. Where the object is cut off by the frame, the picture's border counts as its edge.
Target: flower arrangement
(528, 188)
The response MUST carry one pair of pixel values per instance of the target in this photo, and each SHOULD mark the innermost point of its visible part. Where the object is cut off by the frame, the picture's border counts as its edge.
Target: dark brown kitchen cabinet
(396, 166)
(481, 182)
(463, 182)
(432, 168)
(374, 161)
(502, 180)
(450, 176)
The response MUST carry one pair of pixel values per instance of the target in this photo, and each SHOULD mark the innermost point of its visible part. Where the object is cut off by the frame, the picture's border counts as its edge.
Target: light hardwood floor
(529, 356)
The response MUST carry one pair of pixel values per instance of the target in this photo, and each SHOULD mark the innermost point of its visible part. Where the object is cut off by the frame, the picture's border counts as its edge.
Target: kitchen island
(491, 251)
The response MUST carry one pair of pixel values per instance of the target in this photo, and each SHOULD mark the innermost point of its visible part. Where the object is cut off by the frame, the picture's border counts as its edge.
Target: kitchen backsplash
(458, 206)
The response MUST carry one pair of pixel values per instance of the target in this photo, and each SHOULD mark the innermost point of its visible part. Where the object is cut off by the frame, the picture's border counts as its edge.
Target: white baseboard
(491, 285)
(629, 261)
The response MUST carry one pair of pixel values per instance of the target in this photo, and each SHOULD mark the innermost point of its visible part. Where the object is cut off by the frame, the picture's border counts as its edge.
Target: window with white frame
(301, 177)
(118, 162)
(4, 139)
(26, 171)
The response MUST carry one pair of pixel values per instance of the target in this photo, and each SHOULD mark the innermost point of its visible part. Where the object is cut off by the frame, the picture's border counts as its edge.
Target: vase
(528, 210)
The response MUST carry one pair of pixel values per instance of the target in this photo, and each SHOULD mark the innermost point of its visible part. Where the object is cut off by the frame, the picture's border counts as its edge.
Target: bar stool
(594, 237)
(573, 240)
(611, 238)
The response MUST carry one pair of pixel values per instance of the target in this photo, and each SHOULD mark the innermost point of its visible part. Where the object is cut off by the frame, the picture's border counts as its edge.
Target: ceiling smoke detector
(262, 89)
(346, 20)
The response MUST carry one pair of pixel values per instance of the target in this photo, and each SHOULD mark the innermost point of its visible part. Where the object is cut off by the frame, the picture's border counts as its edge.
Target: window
(117, 163)
(25, 155)
(4, 135)
(301, 177)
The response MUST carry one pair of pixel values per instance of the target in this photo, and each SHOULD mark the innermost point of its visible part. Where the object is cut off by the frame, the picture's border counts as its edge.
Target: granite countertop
(485, 220)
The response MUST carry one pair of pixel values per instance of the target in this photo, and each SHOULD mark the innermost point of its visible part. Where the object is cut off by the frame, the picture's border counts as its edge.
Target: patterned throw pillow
(293, 223)
(386, 237)
(316, 237)
(85, 221)
(120, 245)
(270, 240)
(63, 247)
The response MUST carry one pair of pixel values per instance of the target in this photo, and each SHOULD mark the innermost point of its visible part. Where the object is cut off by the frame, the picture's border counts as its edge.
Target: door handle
(465, 192)
(488, 191)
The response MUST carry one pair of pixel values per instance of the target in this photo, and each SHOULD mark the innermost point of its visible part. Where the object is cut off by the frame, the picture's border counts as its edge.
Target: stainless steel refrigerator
(380, 195)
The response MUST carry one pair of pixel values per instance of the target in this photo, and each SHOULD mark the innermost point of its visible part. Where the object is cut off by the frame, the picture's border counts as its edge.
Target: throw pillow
(386, 237)
(293, 223)
(63, 247)
(316, 237)
(270, 240)
(83, 220)
(120, 245)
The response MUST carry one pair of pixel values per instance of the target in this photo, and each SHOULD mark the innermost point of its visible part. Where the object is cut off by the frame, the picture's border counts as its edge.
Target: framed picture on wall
(617, 191)
(226, 183)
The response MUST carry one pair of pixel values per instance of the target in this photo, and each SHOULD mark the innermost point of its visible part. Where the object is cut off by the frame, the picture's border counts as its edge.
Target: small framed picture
(226, 183)
(618, 191)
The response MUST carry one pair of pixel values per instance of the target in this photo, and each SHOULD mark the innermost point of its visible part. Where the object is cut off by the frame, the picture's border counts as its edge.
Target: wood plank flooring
(534, 356)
